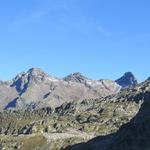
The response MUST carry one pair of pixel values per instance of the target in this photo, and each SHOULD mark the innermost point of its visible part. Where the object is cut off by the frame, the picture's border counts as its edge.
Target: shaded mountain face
(127, 80)
(7, 94)
(36, 89)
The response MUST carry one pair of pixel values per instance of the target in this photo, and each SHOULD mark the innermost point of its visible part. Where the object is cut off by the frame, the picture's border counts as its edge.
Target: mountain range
(35, 89)
(107, 115)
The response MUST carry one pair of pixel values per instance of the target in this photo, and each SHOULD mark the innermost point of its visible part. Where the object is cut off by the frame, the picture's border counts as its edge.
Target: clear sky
(99, 38)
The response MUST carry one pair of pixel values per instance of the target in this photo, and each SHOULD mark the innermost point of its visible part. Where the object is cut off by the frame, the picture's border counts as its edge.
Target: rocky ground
(71, 123)
(134, 135)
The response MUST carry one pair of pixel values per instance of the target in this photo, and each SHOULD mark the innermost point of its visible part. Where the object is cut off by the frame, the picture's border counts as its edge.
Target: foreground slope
(134, 135)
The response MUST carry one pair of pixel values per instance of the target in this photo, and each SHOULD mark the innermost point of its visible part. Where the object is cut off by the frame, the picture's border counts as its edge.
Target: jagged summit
(127, 80)
(33, 75)
(76, 77)
(35, 70)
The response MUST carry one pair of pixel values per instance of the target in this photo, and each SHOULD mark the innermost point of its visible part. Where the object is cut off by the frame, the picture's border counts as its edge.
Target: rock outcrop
(127, 80)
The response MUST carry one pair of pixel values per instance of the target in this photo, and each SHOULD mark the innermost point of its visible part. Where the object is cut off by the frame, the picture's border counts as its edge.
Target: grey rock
(127, 80)
(76, 77)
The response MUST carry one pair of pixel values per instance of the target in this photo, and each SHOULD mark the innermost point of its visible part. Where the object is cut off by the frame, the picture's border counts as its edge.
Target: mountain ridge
(37, 88)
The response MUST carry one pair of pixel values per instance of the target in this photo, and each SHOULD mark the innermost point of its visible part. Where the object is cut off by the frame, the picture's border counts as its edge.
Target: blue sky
(99, 38)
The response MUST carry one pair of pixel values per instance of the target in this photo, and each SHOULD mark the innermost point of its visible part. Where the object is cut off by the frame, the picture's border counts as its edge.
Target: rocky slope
(134, 135)
(36, 89)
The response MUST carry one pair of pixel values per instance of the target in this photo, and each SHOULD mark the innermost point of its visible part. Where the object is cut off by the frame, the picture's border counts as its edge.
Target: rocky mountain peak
(35, 71)
(37, 75)
(32, 76)
(76, 77)
(127, 80)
